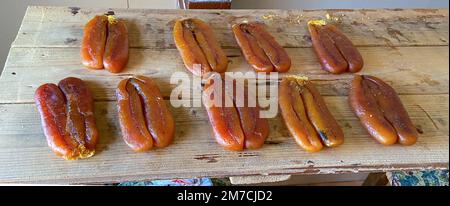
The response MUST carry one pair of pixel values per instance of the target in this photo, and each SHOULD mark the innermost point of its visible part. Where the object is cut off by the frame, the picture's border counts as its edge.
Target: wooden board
(407, 48)
(63, 27)
(27, 68)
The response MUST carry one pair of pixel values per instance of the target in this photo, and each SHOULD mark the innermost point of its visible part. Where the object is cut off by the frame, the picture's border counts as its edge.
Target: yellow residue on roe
(112, 19)
(317, 22)
(299, 79)
(83, 153)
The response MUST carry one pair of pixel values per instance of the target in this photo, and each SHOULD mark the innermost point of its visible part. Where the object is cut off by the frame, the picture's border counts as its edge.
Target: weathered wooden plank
(410, 70)
(25, 157)
(406, 48)
(63, 27)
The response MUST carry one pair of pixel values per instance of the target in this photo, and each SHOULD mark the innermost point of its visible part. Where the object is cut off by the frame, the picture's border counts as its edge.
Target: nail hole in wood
(419, 129)
(110, 13)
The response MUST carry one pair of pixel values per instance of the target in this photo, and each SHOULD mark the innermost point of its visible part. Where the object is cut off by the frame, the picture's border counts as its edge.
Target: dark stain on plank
(428, 25)
(70, 40)
(272, 142)
(419, 129)
(347, 125)
(148, 27)
(110, 13)
(387, 41)
(396, 9)
(435, 16)
(209, 158)
(355, 23)
(307, 38)
(247, 154)
(396, 34)
(74, 10)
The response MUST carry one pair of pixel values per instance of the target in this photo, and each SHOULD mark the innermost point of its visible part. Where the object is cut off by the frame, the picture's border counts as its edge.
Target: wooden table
(406, 48)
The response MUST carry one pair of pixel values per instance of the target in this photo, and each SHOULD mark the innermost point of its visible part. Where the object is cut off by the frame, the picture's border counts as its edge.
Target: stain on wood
(209, 158)
(70, 40)
(74, 10)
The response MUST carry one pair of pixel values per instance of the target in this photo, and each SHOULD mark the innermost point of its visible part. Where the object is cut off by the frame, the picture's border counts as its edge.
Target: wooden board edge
(226, 174)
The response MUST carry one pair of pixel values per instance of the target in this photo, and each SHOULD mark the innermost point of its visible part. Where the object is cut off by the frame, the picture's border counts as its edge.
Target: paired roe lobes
(105, 44)
(67, 114)
(67, 110)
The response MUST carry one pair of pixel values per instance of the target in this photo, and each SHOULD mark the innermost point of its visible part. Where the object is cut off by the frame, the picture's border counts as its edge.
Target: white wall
(339, 4)
(12, 11)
